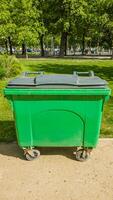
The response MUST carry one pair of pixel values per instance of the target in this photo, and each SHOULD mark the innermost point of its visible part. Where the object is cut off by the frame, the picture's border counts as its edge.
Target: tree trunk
(63, 44)
(83, 43)
(42, 45)
(10, 45)
(98, 46)
(65, 49)
(52, 46)
(6, 46)
(23, 49)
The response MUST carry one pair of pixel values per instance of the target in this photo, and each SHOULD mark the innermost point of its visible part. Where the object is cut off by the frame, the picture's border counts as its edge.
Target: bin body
(57, 117)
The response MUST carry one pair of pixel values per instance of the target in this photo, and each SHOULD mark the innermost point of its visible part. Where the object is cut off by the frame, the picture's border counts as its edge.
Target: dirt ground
(56, 175)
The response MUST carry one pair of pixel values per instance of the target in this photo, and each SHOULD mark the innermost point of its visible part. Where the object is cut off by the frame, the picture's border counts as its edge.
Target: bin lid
(77, 79)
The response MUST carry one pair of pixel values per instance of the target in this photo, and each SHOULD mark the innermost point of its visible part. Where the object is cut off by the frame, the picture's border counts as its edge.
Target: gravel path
(56, 175)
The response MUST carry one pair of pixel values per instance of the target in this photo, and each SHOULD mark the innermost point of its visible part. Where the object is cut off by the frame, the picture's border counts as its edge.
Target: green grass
(102, 68)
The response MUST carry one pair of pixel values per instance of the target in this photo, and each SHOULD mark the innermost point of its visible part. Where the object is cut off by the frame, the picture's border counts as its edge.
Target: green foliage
(2, 71)
(9, 66)
(25, 17)
(20, 21)
(26, 20)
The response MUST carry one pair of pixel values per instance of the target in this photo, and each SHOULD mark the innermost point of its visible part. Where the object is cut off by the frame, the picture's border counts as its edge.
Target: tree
(30, 22)
(7, 26)
(66, 17)
(25, 16)
(108, 7)
(19, 23)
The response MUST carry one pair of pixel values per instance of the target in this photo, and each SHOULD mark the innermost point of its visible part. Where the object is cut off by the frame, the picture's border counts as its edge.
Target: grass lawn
(102, 68)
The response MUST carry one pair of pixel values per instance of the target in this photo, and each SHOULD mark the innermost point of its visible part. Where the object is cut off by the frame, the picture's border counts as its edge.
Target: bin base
(31, 154)
(81, 154)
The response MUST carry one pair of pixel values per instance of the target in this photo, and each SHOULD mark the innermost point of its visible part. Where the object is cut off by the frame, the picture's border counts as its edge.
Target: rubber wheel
(82, 155)
(32, 155)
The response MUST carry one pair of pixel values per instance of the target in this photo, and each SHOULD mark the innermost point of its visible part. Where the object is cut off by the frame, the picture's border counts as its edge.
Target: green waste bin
(57, 110)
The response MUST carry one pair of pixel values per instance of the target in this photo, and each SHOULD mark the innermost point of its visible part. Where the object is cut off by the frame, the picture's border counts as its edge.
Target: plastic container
(57, 111)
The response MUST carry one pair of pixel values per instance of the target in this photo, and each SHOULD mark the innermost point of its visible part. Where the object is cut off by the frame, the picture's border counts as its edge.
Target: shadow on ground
(13, 150)
(8, 134)
(7, 131)
(102, 71)
(63, 151)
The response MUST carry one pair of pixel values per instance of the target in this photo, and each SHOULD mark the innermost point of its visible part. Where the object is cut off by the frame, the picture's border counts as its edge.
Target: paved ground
(56, 175)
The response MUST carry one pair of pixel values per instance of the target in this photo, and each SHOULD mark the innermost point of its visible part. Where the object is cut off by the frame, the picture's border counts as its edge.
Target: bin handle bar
(27, 73)
(90, 73)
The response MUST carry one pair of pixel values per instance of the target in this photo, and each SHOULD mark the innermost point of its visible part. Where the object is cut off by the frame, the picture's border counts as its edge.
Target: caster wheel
(32, 154)
(82, 155)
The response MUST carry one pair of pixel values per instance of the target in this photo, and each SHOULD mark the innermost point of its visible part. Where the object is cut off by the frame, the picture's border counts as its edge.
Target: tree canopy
(32, 22)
